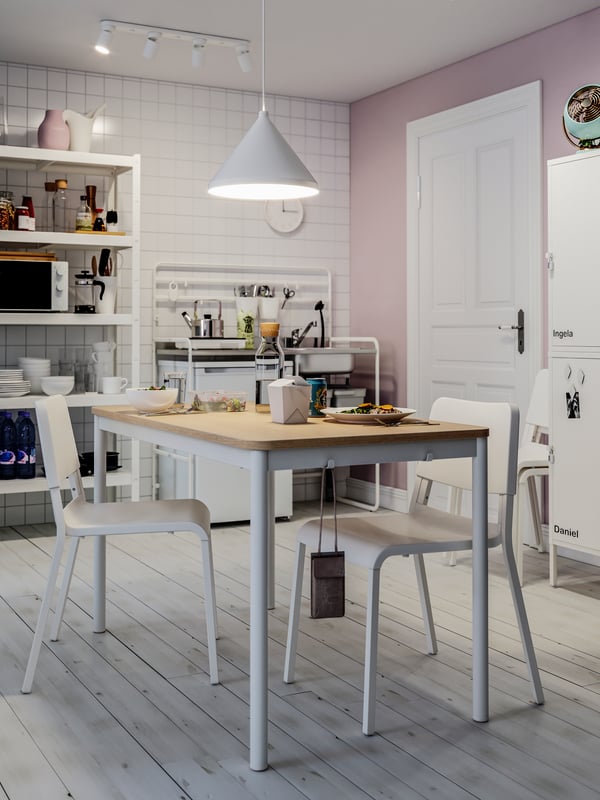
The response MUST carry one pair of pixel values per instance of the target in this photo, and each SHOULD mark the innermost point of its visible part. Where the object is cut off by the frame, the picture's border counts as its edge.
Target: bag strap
(323, 471)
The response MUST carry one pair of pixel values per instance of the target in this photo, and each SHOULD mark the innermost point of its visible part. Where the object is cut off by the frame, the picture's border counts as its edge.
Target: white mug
(113, 385)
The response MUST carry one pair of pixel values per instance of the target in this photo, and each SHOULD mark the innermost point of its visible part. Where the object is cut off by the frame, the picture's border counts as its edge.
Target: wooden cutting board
(27, 255)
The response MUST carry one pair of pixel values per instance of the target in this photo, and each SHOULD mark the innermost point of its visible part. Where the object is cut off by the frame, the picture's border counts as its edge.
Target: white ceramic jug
(106, 295)
(80, 127)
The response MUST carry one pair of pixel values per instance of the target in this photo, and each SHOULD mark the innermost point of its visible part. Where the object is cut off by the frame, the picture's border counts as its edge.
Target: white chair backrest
(502, 419)
(56, 437)
(537, 419)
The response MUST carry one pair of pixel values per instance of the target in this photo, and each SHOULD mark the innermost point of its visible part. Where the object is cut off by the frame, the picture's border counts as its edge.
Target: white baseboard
(307, 486)
(364, 492)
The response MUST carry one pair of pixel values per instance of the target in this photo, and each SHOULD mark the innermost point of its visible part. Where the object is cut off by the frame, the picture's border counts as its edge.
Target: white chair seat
(368, 540)
(151, 516)
(78, 519)
(533, 455)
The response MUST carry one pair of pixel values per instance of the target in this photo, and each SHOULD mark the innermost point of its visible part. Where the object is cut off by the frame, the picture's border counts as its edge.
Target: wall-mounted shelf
(65, 241)
(40, 484)
(34, 318)
(85, 400)
(34, 159)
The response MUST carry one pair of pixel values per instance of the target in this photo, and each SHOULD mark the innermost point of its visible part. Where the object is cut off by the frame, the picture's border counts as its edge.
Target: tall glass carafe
(269, 362)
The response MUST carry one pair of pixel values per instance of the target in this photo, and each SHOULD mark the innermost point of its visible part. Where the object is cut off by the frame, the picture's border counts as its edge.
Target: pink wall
(563, 57)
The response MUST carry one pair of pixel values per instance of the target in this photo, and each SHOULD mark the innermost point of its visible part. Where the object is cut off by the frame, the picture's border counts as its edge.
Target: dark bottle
(25, 446)
(8, 447)
(269, 363)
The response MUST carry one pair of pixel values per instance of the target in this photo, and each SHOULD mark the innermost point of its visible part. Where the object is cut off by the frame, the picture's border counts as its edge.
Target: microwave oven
(34, 285)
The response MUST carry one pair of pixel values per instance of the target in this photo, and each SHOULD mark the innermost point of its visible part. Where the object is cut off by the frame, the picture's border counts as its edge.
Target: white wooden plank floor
(130, 713)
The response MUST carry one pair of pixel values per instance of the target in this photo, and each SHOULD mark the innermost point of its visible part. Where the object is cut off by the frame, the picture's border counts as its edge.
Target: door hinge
(550, 262)
(418, 191)
(551, 455)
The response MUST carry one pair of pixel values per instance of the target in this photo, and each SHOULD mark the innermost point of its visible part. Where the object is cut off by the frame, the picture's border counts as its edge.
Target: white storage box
(289, 399)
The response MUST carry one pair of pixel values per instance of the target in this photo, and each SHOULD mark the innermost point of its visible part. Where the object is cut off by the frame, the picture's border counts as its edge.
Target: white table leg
(259, 572)
(271, 524)
(480, 585)
(99, 610)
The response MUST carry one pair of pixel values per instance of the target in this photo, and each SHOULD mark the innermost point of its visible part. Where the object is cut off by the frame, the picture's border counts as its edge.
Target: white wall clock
(284, 216)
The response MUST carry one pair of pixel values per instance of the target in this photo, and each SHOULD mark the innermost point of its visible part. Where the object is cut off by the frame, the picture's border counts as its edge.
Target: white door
(474, 255)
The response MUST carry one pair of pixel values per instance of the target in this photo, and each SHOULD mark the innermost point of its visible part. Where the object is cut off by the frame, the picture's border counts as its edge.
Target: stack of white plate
(34, 369)
(12, 383)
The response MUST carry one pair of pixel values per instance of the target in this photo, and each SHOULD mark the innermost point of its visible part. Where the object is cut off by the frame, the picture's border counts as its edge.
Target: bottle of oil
(269, 362)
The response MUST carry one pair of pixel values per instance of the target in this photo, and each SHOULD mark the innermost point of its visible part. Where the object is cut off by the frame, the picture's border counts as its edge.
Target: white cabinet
(121, 180)
(574, 337)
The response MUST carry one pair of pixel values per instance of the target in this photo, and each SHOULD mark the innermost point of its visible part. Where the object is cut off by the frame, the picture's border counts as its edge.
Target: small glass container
(28, 203)
(83, 218)
(22, 218)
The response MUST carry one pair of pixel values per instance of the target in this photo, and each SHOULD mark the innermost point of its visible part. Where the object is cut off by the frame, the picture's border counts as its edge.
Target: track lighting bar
(153, 34)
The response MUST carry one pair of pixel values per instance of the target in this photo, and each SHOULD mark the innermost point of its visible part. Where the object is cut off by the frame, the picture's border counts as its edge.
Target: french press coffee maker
(84, 292)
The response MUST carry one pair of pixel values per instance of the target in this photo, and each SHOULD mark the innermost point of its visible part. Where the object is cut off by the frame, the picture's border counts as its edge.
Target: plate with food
(369, 413)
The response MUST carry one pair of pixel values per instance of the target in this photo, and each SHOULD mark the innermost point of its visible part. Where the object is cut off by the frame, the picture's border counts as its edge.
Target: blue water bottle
(8, 447)
(25, 446)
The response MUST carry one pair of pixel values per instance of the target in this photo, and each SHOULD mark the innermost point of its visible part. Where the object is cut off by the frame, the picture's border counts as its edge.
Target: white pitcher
(80, 127)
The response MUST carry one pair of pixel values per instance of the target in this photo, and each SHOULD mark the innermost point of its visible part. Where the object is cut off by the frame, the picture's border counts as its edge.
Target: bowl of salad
(151, 398)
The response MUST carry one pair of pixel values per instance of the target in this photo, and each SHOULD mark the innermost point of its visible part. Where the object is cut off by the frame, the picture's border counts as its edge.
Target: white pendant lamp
(263, 166)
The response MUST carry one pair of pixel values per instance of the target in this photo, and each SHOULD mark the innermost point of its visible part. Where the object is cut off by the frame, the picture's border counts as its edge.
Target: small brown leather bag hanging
(327, 587)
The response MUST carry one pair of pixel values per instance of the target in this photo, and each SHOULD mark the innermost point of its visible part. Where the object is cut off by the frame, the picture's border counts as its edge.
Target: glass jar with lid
(22, 218)
(7, 210)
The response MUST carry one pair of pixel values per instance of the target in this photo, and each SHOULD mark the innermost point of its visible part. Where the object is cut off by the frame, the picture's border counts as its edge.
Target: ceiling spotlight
(106, 32)
(243, 57)
(198, 46)
(151, 45)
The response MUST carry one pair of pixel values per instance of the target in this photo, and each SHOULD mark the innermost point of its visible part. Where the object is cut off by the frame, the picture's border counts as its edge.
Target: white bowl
(57, 384)
(151, 399)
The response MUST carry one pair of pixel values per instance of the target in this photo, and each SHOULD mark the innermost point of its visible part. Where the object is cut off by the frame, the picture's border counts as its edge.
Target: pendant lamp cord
(264, 107)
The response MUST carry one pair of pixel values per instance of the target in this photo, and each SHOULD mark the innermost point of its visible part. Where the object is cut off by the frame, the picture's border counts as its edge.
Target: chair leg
(425, 599)
(371, 633)
(64, 589)
(289, 668)
(553, 565)
(523, 622)
(210, 609)
(534, 506)
(518, 533)
(454, 504)
(38, 636)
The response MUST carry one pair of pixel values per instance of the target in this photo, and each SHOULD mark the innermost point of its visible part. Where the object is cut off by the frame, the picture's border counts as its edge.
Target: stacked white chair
(532, 463)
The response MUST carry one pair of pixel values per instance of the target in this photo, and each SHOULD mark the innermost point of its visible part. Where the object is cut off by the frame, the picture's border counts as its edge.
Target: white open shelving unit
(54, 163)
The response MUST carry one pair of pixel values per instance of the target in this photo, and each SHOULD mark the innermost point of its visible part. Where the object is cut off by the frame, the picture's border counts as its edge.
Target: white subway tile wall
(183, 134)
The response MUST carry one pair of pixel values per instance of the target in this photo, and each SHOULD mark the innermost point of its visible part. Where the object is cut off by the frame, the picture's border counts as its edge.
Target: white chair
(369, 540)
(532, 463)
(79, 518)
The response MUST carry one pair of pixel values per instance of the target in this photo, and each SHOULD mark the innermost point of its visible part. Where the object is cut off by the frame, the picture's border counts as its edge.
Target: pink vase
(53, 133)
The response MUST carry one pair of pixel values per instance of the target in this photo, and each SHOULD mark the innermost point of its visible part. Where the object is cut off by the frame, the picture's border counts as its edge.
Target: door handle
(520, 327)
